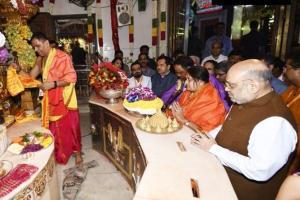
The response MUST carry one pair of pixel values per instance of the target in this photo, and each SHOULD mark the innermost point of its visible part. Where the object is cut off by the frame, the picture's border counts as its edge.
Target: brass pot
(111, 95)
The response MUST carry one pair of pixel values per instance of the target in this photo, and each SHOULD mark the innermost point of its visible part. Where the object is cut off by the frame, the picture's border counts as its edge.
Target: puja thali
(158, 124)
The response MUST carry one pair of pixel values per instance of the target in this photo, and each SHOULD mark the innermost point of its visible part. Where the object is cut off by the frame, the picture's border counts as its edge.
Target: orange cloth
(204, 108)
(58, 66)
(292, 99)
(62, 68)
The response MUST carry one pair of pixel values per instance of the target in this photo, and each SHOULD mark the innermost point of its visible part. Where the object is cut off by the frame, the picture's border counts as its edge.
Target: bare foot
(78, 159)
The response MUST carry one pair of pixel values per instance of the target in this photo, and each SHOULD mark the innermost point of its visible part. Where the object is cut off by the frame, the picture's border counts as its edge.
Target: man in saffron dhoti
(59, 104)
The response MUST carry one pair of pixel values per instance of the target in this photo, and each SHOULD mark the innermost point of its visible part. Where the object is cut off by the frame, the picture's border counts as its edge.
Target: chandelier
(82, 3)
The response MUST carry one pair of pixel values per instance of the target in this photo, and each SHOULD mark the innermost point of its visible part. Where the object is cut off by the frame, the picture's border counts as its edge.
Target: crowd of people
(245, 106)
(246, 109)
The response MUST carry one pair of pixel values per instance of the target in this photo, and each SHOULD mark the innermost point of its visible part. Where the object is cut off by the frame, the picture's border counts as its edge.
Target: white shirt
(270, 144)
(220, 58)
(145, 82)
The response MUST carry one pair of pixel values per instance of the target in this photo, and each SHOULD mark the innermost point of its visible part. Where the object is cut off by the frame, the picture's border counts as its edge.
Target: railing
(82, 86)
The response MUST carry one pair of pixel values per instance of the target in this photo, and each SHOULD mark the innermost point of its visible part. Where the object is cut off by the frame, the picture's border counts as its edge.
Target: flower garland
(18, 36)
(22, 7)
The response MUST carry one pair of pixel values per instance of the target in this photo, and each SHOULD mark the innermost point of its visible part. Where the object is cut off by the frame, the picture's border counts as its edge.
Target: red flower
(107, 76)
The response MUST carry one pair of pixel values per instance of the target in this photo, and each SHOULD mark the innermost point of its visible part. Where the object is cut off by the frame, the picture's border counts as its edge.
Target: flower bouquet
(108, 81)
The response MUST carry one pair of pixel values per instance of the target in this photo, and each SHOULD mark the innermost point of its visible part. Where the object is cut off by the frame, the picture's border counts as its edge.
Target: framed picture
(206, 6)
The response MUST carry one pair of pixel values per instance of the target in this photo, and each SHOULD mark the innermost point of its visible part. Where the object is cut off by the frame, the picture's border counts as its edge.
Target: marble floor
(103, 182)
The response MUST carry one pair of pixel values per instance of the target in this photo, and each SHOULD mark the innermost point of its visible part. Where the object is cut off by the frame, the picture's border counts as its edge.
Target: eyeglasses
(230, 85)
(234, 85)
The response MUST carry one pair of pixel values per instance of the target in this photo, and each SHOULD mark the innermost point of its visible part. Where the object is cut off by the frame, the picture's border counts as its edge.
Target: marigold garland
(18, 36)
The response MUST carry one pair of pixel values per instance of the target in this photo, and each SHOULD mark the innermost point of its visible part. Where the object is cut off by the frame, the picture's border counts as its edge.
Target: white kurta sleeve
(149, 84)
(270, 144)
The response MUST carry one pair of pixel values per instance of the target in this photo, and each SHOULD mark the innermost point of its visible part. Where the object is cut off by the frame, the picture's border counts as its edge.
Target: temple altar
(164, 166)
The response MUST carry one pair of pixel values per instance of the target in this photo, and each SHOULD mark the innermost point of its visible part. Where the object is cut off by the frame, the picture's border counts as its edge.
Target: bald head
(251, 69)
(248, 80)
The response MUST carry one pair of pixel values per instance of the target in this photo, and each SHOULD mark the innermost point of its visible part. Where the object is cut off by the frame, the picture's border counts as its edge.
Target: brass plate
(153, 130)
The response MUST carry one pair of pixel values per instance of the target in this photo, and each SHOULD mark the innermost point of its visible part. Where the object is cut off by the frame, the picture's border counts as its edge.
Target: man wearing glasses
(292, 96)
(258, 138)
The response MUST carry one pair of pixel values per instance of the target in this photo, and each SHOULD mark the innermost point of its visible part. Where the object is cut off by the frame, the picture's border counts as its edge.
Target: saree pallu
(203, 107)
(66, 132)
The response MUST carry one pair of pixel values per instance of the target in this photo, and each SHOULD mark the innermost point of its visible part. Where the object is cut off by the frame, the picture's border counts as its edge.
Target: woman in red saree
(200, 105)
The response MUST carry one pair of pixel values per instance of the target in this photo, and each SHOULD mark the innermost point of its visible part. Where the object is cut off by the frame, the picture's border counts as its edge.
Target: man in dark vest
(258, 138)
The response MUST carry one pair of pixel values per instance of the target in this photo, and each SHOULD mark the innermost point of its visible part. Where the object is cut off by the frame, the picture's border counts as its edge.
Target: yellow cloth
(14, 84)
(45, 101)
(58, 66)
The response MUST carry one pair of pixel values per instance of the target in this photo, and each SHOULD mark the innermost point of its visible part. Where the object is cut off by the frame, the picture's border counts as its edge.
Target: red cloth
(204, 107)
(56, 102)
(20, 174)
(61, 69)
(114, 24)
(66, 132)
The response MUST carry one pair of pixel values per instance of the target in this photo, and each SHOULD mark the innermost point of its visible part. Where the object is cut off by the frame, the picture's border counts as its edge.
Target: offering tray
(158, 124)
(30, 142)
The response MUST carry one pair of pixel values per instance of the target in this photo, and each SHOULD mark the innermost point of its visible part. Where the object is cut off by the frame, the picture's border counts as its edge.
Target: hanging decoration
(100, 33)
(163, 21)
(114, 24)
(154, 22)
(131, 31)
(90, 35)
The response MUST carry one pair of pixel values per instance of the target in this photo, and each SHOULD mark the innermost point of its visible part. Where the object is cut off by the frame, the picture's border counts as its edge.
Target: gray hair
(261, 75)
